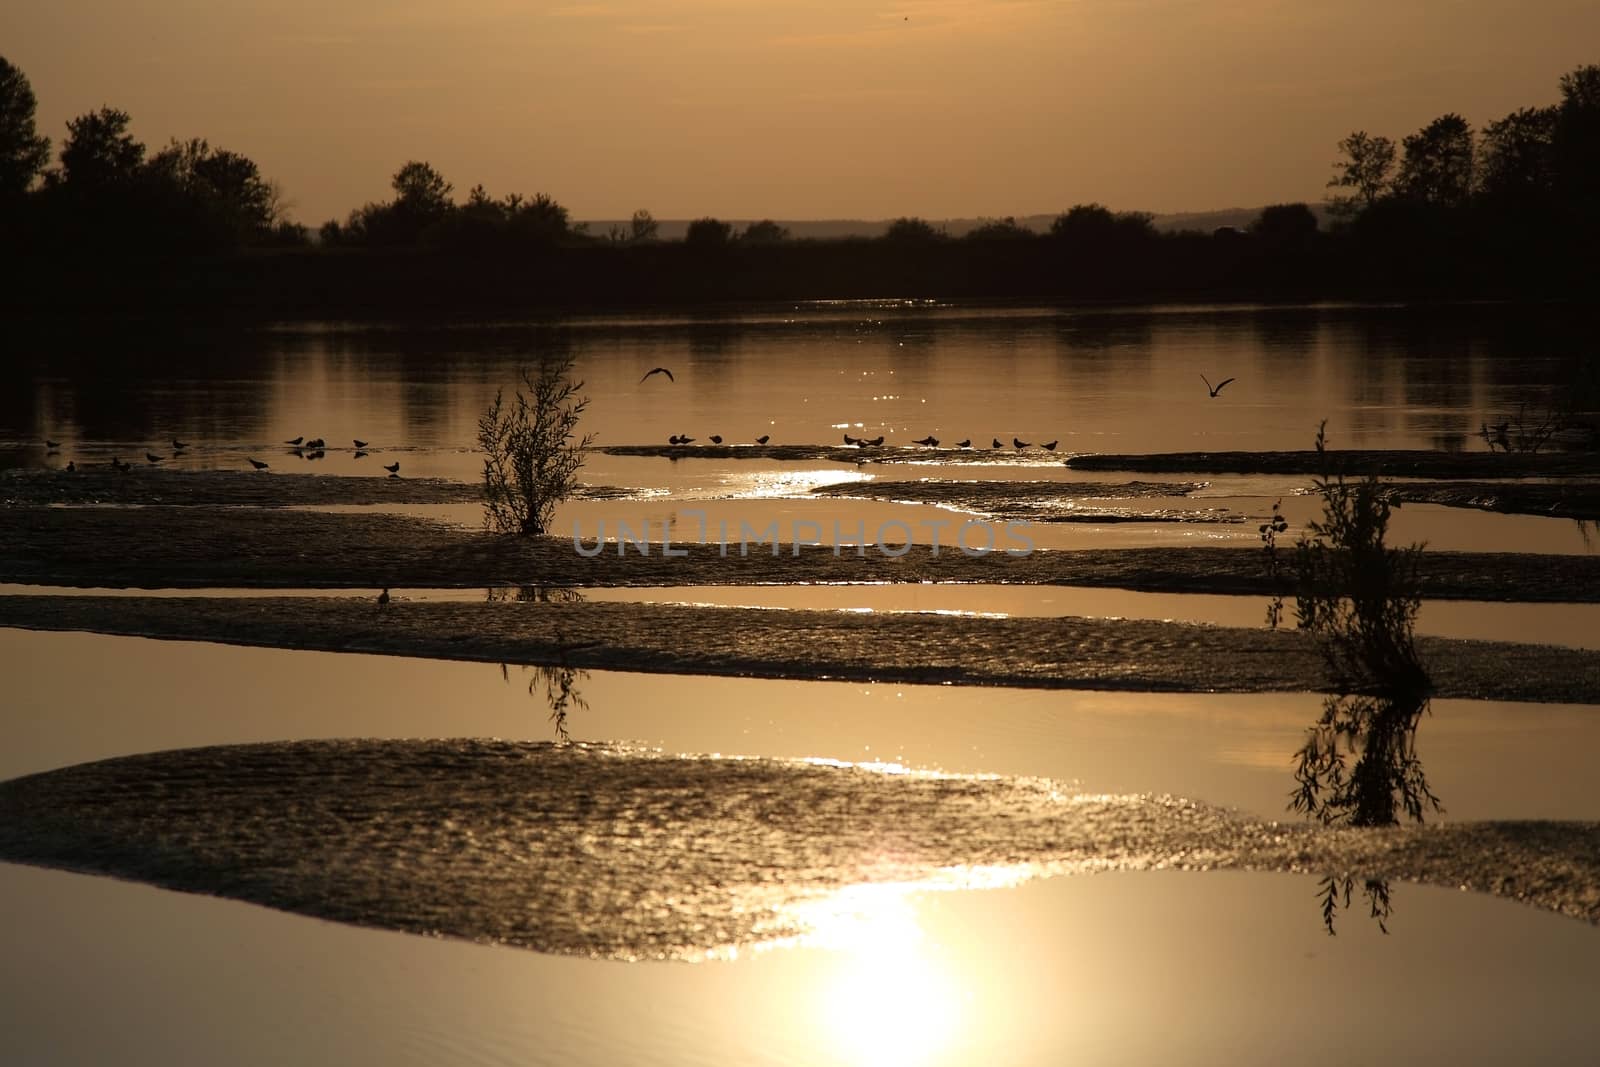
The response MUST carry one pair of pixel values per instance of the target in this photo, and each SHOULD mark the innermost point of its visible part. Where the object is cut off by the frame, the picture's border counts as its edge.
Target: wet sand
(1384, 462)
(1041, 501)
(1062, 653)
(609, 852)
(191, 547)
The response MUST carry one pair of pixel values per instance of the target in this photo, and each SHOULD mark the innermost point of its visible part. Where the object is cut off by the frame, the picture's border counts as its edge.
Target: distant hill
(1203, 221)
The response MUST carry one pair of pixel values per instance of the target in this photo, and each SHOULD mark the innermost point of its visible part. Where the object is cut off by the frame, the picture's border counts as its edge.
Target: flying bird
(358, 444)
(1018, 442)
(1050, 446)
(297, 440)
(1215, 389)
(763, 439)
(392, 468)
(716, 439)
(659, 370)
(257, 464)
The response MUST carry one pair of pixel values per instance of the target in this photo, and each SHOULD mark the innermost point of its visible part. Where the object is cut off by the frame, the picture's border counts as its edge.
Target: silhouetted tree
(708, 233)
(912, 230)
(1006, 229)
(764, 232)
(643, 226)
(1576, 143)
(540, 220)
(1095, 226)
(99, 151)
(1285, 222)
(223, 187)
(1439, 163)
(1518, 154)
(1367, 168)
(23, 152)
(421, 191)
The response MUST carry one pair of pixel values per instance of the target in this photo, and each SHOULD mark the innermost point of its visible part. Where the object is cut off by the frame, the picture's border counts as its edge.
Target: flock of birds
(314, 448)
(877, 442)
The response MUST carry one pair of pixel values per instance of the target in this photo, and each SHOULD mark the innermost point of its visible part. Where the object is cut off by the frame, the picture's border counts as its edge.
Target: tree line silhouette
(1511, 210)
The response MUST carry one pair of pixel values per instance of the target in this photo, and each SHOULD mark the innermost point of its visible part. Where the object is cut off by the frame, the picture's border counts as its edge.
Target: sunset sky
(766, 108)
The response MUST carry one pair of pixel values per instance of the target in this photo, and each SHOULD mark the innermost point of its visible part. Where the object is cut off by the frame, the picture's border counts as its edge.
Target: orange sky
(829, 109)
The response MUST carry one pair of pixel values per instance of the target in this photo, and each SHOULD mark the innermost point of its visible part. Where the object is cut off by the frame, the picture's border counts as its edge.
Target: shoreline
(920, 649)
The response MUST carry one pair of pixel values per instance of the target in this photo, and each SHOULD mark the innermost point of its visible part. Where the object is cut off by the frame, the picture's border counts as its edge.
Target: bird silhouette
(674, 439)
(1018, 442)
(152, 457)
(316, 443)
(177, 445)
(716, 439)
(383, 598)
(392, 468)
(658, 370)
(296, 440)
(71, 466)
(930, 441)
(876, 441)
(997, 444)
(964, 444)
(1215, 389)
(851, 440)
(257, 464)
(763, 439)
(358, 444)
(685, 439)
(1050, 446)
(52, 445)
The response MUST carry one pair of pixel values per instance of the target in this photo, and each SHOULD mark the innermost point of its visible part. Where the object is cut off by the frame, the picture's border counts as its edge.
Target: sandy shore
(192, 547)
(598, 851)
(1068, 653)
(1391, 463)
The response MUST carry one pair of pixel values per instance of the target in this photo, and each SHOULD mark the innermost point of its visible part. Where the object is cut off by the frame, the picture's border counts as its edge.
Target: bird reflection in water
(557, 683)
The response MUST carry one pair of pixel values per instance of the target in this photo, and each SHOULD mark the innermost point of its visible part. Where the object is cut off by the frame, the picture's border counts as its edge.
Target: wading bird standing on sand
(383, 598)
(1215, 389)
(257, 464)
(763, 439)
(358, 444)
(997, 444)
(1020, 443)
(658, 370)
(392, 468)
(71, 467)
(964, 444)
(297, 440)
(716, 439)
(930, 441)
(1050, 446)
(152, 457)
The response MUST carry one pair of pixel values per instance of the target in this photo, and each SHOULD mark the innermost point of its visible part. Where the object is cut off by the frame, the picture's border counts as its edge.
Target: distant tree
(1094, 225)
(99, 151)
(1439, 163)
(330, 233)
(643, 226)
(708, 233)
(1006, 229)
(1367, 168)
(224, 187)
(912, 230)
(1285, 222)
(421, 191)
(1576, 144)
(540, 219)
(765, 232)
(23, 153)
(1517, 158)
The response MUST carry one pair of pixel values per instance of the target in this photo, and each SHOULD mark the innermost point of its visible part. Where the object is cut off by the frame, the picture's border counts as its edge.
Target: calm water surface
(1216, 968)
